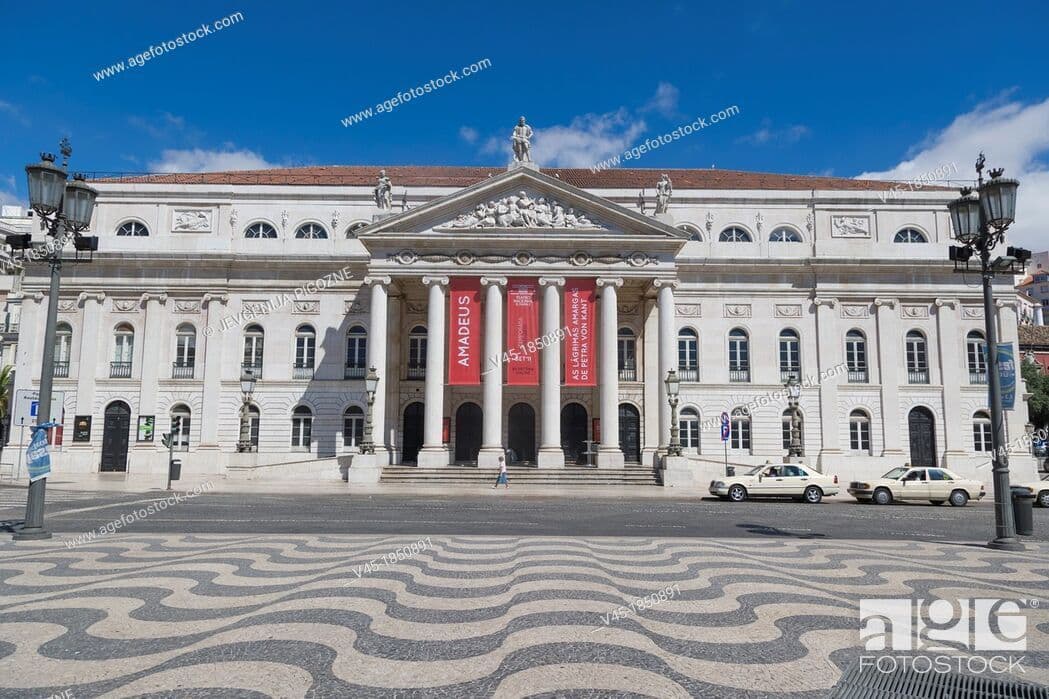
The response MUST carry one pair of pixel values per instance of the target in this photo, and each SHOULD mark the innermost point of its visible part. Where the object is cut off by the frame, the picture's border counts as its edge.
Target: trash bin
(1023, 513)
(175, 470)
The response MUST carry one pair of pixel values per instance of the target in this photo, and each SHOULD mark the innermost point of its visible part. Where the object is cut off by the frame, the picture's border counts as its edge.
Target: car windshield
(896, 472)
(756, 470)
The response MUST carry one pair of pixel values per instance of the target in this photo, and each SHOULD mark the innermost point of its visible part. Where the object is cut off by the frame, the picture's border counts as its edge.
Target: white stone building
(749, 279)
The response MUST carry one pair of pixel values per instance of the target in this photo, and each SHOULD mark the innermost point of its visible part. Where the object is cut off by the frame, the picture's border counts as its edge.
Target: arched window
(351, 230)
(784, 234)
(910, 235)
(353, 426)
(740, 437)
(859, 432)
(249, 427)
(417, 352)
(687, 355)
(738, 355)
(735, 234)
(692, 231)
(305, 352)
(976, 352)
(981, 431)
(301, 428)
(132, 228)
(260, 229)
(180, 417)
(185, 352)
(123, 352)
(63, 349)
(627, 355)
(785, 422)
(856, 356)
(688, 428)
(917, 358)
(254, 339)
(311, 231)
(356, 353)
(789, 355)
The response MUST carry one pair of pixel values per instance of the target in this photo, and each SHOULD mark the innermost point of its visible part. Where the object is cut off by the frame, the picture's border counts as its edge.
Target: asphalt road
(504, 514)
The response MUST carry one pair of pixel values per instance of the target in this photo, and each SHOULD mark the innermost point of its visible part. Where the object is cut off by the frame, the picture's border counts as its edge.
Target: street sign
(1007, 375)
(726, 427)
(27, 407)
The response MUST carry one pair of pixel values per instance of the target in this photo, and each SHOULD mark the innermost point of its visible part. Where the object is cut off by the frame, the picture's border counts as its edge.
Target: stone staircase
(636, 476)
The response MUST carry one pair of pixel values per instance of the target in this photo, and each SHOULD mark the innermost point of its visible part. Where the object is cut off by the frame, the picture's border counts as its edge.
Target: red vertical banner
(580, 360)
(465, 340)
(522, 332)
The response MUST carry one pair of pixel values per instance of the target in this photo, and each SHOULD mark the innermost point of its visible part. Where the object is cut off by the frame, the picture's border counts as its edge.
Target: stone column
(434, 452)
(149, 357)
(87, 368)
(890, 347)
(650, 359)
(609, 454)
(829, 341)
(492, 373)
(551, 455)
(214, 306)
(953, 375)
(1021, 463)
(1039, 316)
(667, 352)
(378, 330)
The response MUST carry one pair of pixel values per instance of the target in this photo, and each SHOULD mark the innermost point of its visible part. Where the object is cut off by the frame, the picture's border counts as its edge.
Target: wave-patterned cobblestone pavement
(288, 616)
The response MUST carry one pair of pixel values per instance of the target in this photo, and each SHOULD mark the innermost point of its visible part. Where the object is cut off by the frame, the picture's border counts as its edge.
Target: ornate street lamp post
(793, 387)
(65, 210)
(980, 219)
(673, 385)
(371, 385)
(247, 387)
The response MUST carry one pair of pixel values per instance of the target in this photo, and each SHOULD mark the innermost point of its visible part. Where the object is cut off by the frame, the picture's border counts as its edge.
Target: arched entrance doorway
(467, 432)
(630, 433)
(521, 433)
(412, 433)
(921, 426)
(574, 433)
(115, 434)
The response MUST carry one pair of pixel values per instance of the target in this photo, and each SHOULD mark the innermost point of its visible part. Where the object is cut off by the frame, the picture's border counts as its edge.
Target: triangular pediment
(521, 202)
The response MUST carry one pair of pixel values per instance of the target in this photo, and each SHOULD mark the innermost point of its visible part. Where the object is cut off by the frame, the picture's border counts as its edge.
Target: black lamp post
(65, 210)
(980, 220)
(793, 386)
(247, 387)
(673, 385)
(371, 385)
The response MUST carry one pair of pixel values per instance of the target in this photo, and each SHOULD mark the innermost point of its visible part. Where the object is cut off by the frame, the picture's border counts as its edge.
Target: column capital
(380, 279)
(551, 281)
(84, 297)
(940, 303)
(889, 303)
(610, 281)
(827, 301)
(150, 296)
(660, 283)
(1007, 303)
(219, 298)
(37, 296)
(493, 281)
(439, 281)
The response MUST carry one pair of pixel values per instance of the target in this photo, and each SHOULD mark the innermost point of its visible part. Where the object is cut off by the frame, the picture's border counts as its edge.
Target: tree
(1038, 386)
(7, 382)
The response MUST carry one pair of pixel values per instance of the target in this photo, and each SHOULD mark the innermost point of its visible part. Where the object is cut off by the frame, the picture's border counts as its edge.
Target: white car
(937, 485)
(776, 481)
(1039, 489)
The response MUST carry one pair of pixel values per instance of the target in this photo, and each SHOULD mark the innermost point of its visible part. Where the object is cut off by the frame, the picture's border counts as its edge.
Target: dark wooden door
(574, 433)
(921, 426)
(630, 433)
(467, 432)
(522, 433)
(116, 431)
(412, 433)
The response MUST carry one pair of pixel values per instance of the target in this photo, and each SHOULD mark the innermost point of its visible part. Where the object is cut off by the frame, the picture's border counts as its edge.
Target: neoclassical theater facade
(529, 311)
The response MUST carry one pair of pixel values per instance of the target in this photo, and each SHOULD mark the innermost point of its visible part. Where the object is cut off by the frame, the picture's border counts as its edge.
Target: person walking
(502, 474)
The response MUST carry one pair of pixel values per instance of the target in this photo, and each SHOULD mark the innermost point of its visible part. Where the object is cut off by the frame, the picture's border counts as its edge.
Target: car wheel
(937, 502)
(737, 493)
(1043, 498)
(882, 496)
(959, 498)
(813, 494)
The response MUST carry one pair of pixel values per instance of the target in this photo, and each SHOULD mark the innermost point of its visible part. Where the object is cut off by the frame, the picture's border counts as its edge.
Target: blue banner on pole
(38, 458)
(1007, 374)
(726, 427)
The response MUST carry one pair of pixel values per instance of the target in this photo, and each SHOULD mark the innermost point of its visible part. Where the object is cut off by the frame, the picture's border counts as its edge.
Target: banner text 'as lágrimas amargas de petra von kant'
(465, 334)
(522, 328)
(580, 301)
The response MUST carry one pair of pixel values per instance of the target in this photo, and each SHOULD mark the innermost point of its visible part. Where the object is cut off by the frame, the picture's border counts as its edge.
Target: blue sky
(890, 89)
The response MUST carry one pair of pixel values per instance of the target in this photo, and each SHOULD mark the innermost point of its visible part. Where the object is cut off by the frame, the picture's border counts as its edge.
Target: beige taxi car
(1038, 489)
(937, 485)
(776, 481)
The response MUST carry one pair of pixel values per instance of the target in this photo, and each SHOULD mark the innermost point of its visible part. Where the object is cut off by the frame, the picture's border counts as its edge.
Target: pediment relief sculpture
(522, 210)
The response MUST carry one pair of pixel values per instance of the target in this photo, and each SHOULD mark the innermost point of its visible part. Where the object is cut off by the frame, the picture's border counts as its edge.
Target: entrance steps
(637, 476)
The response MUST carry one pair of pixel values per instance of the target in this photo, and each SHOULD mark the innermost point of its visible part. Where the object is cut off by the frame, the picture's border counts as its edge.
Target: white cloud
(200, 160)
(7, 192)
(1013, 135)
(767, 135)
(665, 100)
(468, 134)
(14, 112)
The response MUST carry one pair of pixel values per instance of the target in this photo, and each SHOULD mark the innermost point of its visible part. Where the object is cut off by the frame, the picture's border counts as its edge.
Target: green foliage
(7, 381)
(1038, 386)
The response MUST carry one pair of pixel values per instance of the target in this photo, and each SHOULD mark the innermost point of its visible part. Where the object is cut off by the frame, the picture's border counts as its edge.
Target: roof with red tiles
(449, 176)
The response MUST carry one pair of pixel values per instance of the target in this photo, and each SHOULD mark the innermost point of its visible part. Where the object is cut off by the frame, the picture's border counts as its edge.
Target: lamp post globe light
(371, 385)
(65, 211)
(793, 387)
(673, 385)
(247, 387)
(980, 219)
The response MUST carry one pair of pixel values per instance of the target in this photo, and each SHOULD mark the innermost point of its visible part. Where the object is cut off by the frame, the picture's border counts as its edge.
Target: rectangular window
(305, 351)
(740, 438)
(860, 435)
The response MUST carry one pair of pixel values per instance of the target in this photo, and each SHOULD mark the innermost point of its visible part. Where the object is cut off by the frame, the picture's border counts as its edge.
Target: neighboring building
(1036, 286)
(13, 220)
(1034, 342)
(749, 280)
